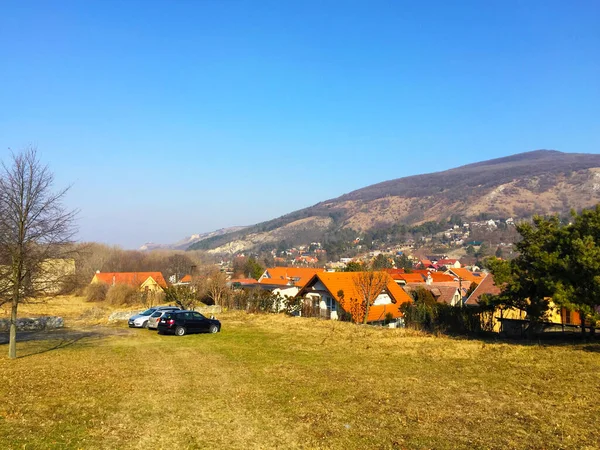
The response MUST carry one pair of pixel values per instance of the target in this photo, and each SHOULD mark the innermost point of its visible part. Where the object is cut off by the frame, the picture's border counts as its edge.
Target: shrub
(441, 317)
(183, 296)
(255, 300)
(96, 292)
(123, 294)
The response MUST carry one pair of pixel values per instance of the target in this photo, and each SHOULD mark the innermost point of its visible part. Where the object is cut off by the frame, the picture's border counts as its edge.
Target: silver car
(141, 320)
(155, 318)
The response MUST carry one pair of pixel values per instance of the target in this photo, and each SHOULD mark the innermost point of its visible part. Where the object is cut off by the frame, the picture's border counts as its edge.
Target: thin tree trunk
(12, 336)
(366, 312)
(582, 317)
(12, 340)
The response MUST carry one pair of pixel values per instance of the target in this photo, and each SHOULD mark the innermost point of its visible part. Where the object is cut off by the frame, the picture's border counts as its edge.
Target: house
(144, 281)
(556, 315)
(450, 263)
(288, 276)
(427, 264)
(466, 275)
(48, 277)
(335, 295)
(286, 280)
(187, 279)
(306, 259)
(450, 295)
(409, 278)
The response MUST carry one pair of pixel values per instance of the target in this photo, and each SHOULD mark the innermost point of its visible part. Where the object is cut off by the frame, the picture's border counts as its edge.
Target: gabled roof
(288, 276)
(440, 277)
(443, 262)
(186, 279)
(335, 282)
(487, 286)
(412, 277)
(131, 278)
(442, 294)
(467, 275)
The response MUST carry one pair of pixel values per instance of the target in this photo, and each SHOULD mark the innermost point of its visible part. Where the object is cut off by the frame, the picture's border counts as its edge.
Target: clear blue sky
(172, 118)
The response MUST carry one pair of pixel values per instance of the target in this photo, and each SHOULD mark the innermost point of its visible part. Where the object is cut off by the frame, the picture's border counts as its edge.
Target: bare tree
(369, 284)
(216, 286)
(35, 230)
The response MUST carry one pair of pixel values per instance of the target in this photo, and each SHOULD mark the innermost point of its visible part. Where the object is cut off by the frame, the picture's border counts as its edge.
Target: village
(334, 292)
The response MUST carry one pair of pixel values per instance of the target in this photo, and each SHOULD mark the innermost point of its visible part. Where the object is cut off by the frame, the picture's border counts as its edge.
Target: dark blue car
(184, 322)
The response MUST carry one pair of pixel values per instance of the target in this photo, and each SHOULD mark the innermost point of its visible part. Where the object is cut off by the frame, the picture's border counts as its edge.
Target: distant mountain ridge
(541, 181)
(184, 243)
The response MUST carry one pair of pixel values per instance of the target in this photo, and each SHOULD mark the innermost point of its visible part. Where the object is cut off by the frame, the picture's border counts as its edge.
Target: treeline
(92, 257)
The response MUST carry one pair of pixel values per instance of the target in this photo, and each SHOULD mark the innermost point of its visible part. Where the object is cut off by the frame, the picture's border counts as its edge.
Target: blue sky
(172, 118)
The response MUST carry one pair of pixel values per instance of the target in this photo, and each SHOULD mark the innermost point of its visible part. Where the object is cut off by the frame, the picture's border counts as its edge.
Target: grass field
(280, 382)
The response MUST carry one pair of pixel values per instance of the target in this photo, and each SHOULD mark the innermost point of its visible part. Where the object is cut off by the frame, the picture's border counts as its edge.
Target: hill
(189, 240)
(518, 186)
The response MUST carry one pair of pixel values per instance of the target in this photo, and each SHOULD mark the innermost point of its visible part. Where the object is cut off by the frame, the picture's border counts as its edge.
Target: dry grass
(75, 310)
(280, 382)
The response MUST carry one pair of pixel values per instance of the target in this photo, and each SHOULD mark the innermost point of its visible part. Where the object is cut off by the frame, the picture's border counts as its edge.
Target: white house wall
(383, 299)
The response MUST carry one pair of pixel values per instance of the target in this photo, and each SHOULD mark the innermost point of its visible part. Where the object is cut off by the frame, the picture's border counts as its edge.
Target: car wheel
(160, 332)
(145, 324)
(213, 329)
(179, 331)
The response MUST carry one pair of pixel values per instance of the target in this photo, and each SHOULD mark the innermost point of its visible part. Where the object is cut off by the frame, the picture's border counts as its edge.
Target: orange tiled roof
(467, 275)
(335, 282)
(186, 279)
(412, 277)
(394, 273)
(131, 278)
(438, 277)
(284, 276)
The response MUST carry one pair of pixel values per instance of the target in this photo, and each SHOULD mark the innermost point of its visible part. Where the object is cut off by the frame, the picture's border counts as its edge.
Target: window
(330, 303)
(198, 316)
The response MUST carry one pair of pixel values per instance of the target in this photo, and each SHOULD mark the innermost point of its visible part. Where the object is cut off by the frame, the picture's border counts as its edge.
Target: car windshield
(148, 312)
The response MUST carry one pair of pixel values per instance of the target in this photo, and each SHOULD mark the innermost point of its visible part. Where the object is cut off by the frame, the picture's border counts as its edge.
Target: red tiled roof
(130, 278)
(444, 262)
